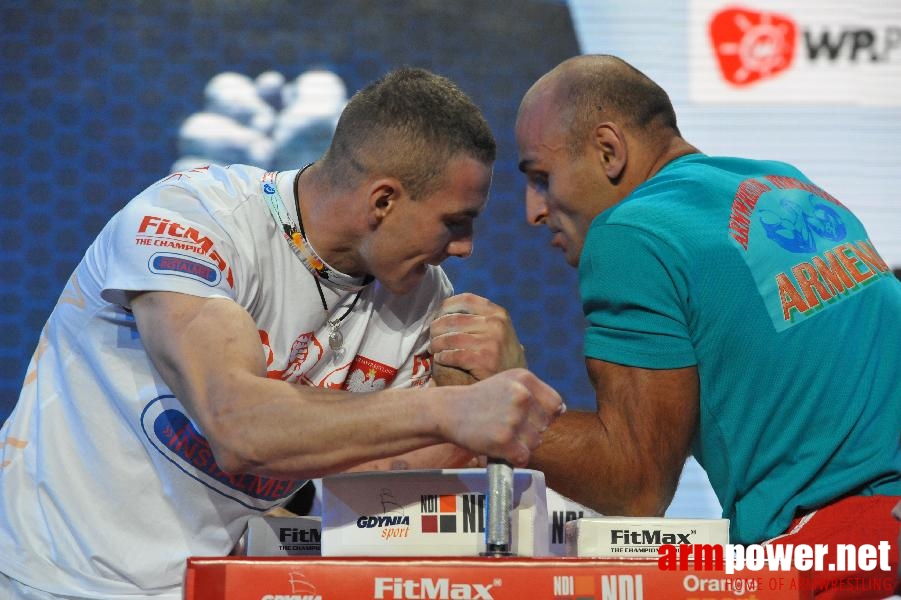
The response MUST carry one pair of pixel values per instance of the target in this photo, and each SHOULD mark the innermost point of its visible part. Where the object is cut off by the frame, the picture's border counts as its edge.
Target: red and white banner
(476, 578)
(815, 52)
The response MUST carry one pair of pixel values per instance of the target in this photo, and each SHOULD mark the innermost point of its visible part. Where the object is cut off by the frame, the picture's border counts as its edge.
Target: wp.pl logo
(751, 45)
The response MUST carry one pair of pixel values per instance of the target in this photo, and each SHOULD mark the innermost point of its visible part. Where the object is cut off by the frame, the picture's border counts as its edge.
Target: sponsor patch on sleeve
(171, 263)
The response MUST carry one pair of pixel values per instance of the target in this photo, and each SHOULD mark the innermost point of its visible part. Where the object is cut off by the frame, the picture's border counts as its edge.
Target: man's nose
(536, 207)
(461, 248)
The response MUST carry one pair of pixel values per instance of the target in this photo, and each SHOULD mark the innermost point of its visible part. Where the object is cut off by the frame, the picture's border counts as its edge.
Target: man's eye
(538, 180)
(458, 224)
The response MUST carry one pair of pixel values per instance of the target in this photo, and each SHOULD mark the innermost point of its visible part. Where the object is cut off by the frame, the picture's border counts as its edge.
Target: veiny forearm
(587, 462)
(267, 426)
(439, 456)
(625, 458)
(300, 431)
(208, 353)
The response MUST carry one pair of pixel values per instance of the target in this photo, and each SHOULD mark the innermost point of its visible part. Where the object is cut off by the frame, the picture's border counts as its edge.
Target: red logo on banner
(751, 45)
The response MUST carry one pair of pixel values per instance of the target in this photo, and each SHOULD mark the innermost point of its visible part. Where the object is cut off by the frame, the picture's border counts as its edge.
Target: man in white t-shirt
(195, 371)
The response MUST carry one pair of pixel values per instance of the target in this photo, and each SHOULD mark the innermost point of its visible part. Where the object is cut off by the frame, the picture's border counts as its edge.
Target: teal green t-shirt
(771, 287)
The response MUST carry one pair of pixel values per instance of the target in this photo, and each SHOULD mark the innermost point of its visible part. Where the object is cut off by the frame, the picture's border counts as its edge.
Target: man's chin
(572, 256)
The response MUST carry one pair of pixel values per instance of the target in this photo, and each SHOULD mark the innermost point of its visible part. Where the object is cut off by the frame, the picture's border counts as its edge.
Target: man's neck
(328, 221)
(676, 148)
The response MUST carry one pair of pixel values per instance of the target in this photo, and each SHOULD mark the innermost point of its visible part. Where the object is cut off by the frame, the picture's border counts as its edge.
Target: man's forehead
(465, 186)
(543, 92)
(539, 115)
(539, 133)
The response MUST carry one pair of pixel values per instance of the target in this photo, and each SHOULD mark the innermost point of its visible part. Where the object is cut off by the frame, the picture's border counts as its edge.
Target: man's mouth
(558, 240)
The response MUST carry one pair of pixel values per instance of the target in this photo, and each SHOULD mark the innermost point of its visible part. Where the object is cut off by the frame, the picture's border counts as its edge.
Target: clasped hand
(473, 341)
(474, 335)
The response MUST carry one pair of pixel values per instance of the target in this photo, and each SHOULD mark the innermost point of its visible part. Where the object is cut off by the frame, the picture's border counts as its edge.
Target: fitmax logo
(648, 536)
(426, 588)
(295, 535)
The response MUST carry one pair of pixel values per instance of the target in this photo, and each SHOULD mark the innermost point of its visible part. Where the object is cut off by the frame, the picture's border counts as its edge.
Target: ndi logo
(574, 587)
(442, 513)
(622, 587)
(559, 519)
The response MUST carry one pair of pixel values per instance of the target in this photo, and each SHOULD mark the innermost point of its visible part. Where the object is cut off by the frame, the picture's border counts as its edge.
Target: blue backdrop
(92, 95)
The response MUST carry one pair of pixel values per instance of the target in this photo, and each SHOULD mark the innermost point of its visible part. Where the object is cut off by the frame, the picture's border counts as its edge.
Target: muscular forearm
(308, 432)
(596, 466)
(625, 458)
(208, 353)
(324, 431)
(441, 456)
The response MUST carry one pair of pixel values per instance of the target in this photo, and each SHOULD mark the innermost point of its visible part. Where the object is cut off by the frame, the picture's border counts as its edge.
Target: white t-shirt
(106, 485)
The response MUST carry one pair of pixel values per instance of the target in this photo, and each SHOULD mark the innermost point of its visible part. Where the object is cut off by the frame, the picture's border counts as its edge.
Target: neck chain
(335, 337)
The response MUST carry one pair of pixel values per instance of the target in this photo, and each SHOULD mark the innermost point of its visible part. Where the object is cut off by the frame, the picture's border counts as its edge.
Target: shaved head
(588, 89)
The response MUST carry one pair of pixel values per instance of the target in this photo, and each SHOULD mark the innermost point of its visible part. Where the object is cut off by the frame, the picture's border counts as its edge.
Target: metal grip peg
(499, 506)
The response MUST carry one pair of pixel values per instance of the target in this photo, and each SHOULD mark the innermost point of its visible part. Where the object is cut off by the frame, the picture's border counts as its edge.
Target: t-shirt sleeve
(166, 240)
(634, 296)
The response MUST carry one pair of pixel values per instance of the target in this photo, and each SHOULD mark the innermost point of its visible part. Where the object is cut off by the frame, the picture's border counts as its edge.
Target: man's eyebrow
(471, 213)
(524, 165)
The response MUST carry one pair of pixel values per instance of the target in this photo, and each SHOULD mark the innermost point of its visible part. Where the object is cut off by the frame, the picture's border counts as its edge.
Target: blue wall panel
(92, 95)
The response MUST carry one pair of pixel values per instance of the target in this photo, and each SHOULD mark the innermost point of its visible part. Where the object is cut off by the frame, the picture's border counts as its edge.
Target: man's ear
(612, 150)
(383, 195)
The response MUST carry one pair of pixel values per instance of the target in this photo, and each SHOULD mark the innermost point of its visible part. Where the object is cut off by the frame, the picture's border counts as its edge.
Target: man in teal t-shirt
(773, 295)
(735, 310)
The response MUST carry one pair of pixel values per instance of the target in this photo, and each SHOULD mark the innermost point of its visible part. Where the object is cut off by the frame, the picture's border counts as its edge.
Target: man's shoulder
(207, 189)
(227, 177)
(701, 167)
(694, 177)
